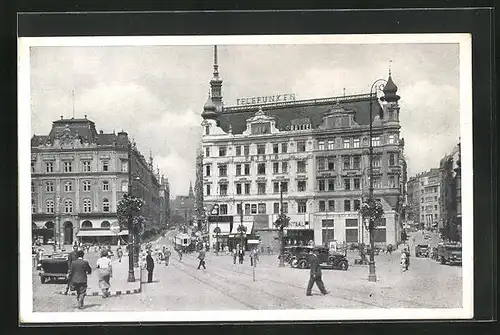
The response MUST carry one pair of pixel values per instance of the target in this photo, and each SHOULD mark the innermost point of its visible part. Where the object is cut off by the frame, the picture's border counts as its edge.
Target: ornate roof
(313, 110)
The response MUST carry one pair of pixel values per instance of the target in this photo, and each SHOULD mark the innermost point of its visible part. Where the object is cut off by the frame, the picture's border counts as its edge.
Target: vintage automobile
(294, 253)
(449, 253)
(422, 250)
(333, 259)
(53, 268)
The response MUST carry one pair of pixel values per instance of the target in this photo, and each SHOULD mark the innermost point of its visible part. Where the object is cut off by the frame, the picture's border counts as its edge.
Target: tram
(184, 242)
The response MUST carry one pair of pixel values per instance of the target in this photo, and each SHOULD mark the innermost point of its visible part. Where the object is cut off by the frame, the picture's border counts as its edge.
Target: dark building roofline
(300, 103)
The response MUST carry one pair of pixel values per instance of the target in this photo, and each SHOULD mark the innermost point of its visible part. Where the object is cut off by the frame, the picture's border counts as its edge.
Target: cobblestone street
(225, 286)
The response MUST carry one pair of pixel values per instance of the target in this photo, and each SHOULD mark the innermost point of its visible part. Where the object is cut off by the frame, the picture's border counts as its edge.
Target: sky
(157, 93)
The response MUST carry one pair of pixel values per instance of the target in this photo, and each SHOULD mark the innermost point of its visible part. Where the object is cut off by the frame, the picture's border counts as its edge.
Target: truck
(449, 253)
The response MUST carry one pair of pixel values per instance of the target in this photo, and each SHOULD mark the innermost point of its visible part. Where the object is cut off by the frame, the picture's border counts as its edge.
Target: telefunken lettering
(266, 99)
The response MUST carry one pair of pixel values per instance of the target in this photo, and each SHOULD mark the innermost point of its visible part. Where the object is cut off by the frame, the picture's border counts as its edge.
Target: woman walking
(105, 273)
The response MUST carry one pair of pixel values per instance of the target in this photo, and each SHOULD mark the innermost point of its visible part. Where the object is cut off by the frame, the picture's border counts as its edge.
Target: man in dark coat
(201, 257)
(150, 264)
(407, 264)
(315, 275)
(71, 257)
(77, 277)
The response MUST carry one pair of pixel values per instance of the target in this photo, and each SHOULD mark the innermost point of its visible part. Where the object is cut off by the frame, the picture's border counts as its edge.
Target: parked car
(334, 259)
(422, 250)
(54, 268)
(449, 253)
(294, 253)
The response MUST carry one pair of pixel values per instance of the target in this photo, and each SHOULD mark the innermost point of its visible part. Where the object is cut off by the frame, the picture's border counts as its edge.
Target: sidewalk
(119, 284)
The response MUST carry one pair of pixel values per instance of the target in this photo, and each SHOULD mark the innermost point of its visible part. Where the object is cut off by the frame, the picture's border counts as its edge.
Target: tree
(130, 206)
(281, 223)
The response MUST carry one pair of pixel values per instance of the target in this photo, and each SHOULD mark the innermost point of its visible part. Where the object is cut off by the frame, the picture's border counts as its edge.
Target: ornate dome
(209, 110)
(390, 90)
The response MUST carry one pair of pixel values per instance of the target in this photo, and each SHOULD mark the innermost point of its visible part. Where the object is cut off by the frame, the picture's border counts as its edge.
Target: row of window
(324, 185)
(347, 143)
(261, 208)
(68, 206)
(324, 164)
(86, 186)
(436, 216)
(68, 166)
(429, 199)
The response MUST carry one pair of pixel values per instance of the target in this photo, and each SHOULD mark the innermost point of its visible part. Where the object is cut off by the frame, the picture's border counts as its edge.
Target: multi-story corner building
(424, 199)
(451, 186)
(78, 175)
(316, 151)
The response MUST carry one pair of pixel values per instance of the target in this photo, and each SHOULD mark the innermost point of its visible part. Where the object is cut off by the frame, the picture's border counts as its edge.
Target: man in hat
(72, 256)
(77, 277)
(315, 274)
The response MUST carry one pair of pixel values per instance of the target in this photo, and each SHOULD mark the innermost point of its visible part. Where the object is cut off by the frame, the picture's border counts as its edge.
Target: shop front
(102, 236)
(236, 238)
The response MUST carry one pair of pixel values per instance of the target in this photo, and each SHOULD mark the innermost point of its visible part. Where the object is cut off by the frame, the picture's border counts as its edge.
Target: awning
(249, 226)
(223, 226)
(96, 233)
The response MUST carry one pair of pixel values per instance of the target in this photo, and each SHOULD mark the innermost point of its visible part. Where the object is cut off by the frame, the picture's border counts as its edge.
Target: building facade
(451, 195)
(425, 199)
(184, 208)
(78, 176)
(316, 152)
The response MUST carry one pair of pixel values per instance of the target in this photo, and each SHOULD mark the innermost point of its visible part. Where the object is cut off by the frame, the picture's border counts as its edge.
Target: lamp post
(377, 84)
(131, 276)
(281, 227)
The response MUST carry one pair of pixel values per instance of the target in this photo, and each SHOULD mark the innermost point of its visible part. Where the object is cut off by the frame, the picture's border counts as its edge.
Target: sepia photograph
(236, 178)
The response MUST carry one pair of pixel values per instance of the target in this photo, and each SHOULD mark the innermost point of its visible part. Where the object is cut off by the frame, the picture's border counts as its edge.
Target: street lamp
(378, 84)
(281, 223)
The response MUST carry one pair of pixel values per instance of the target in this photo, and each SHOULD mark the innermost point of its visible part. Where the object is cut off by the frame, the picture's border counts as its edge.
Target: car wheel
(302, 264)
(43, 279)
(443, 261)
(343, 265)
(294, 263)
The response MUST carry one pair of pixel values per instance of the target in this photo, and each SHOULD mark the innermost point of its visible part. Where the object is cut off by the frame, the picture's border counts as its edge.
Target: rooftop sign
(266, 99)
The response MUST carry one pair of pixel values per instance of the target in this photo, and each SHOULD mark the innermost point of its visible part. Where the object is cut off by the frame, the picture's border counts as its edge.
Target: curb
(115, 292)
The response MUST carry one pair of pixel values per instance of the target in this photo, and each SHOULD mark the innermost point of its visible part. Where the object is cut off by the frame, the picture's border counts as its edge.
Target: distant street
(224, 286)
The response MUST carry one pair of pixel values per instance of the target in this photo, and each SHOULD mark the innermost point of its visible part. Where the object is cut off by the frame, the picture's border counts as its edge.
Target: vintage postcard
(245, 178)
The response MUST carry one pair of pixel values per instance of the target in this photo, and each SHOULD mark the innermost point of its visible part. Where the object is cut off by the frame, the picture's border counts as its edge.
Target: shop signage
(266, 99)
(298, 225)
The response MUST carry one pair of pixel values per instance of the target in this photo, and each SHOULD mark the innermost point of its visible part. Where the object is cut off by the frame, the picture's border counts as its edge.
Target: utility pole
(282, 237)
(131, 276)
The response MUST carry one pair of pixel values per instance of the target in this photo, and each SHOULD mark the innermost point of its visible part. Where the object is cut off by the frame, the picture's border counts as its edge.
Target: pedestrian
(407, 264)
(105, 273)
(150, 266)
(315, 274)
(254, 255)
(235, 255)
(179, 251)
(77, 277)
(72, 256)
(403, 261)
(167, 255)
(119, 253)
(201, 257)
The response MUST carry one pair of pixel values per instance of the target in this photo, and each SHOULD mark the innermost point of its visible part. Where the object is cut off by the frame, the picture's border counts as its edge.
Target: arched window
(49, 206)
(105, 205)
(105, 224)
(86, 224)
(87, 205)
(86, 185)
(68, 206)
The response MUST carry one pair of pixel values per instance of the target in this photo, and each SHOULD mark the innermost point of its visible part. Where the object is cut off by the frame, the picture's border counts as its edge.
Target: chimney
(61, 117)
(85, 116)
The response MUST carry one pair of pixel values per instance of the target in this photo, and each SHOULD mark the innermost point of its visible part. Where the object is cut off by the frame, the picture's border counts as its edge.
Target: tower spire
(390, 63)
(216, 65)
(216, 84)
